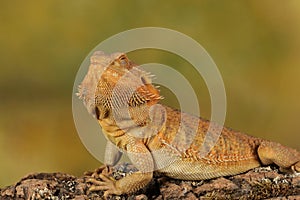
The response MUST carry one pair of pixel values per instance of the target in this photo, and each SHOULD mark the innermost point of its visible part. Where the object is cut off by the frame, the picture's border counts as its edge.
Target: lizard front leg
(111, 158)
(126, 185)
(286, 158)
(140, 156)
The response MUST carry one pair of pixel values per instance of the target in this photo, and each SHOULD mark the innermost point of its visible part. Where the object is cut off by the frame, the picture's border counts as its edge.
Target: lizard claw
(104, 169)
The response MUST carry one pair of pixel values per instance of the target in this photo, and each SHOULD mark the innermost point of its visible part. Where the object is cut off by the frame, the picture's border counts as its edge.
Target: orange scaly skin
(125, 103)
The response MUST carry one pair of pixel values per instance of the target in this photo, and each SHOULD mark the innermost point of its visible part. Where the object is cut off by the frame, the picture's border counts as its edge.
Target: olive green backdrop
(255, 44)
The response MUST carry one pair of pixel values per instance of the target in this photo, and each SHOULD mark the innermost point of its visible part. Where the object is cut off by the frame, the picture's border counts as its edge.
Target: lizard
(125, 102)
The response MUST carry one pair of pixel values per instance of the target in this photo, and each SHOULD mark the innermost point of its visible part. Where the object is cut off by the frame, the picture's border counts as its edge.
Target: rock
(260, 183)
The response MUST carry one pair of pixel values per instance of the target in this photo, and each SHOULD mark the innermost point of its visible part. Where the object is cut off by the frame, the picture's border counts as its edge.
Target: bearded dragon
(123, 99)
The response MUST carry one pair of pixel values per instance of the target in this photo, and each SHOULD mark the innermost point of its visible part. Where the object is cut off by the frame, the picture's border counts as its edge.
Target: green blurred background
(255, 44)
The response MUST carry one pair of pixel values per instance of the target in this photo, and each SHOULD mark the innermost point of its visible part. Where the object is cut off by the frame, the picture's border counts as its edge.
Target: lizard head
(115, 82)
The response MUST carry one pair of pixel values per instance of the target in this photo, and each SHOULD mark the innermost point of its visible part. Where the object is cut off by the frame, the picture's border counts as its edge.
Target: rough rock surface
(260, 183)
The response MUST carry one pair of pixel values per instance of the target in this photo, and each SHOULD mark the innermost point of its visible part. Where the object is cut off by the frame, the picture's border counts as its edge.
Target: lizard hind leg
(286, 158)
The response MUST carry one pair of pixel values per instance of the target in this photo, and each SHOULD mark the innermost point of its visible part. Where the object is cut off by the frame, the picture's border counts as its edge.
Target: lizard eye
(123, 61)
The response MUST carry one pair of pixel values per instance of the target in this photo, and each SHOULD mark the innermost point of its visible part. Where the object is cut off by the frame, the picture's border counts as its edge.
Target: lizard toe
(296, 167)
(104, 169)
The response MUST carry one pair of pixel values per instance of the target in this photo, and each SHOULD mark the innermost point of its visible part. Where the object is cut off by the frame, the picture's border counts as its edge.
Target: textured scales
(122, 98)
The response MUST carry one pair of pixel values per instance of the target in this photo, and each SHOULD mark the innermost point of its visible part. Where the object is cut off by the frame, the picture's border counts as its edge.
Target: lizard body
(123, 99)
